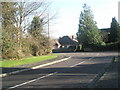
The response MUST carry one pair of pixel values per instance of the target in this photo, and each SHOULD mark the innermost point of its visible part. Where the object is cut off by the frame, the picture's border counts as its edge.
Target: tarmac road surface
(77, 72)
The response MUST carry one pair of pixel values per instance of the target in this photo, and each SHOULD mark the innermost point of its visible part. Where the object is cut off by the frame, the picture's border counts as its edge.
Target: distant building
(67, 41)
(56, 44)
(64, 42)
(105, 32)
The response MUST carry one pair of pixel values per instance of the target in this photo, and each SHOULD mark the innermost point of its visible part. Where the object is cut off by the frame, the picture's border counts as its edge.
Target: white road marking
(50, 63)
(36, 67)
(98, 54)
(84, 61)
(14, 72)
(77, 64)
(90, 58)
(90, 80)
(32, 80)
(94, 57)
(3, 75)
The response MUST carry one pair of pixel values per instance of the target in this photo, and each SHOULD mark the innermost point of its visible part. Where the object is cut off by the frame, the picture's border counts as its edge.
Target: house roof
(66, 40)
(105, 29)
(55, 41)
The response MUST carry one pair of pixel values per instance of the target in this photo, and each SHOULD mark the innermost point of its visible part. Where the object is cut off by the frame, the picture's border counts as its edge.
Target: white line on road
(90, 58)
(3, 75)
(32, 80)
(77, 64)
(51, 63)
(98, 54)
(94, 57)
(84, 61)
(36, 67)
(90, 80)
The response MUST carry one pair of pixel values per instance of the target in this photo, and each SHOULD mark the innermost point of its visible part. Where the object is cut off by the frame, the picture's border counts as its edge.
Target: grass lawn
(11, 63)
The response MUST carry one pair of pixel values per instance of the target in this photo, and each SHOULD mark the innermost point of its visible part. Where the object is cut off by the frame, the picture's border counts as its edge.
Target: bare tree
(17, 15)
(24, 10)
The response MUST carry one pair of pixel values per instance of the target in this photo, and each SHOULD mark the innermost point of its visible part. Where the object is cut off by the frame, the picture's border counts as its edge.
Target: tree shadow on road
(65, 76)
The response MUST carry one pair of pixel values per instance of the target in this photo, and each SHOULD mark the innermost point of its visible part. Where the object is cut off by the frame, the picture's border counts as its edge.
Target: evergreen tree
(39, 45)
(115, 31)
(36, 27)
(8, 30)
(118, 34)
(88, 32)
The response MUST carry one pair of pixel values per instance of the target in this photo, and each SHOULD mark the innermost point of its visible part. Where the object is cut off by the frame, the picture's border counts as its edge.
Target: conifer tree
(115, 31)
(88, 32)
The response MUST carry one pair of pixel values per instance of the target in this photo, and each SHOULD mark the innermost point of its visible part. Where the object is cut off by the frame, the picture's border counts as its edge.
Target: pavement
(111, 78)
(73, 70)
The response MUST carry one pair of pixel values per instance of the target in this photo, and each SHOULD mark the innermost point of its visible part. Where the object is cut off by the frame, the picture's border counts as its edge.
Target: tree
(40, 42)
(115, 31)
(88, 32)
(36, 27)
(118, 34)
(14, 15)
(9, 31)
(24, 9)
(35, 31)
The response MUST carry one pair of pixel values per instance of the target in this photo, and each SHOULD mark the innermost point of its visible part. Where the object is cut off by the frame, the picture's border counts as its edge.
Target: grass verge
(12, 63)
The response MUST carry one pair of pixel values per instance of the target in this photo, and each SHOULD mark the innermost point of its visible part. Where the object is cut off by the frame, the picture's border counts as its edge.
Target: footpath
(111, 77)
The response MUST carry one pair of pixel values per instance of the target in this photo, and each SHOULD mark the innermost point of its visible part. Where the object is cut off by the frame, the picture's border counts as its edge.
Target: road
(77, 72)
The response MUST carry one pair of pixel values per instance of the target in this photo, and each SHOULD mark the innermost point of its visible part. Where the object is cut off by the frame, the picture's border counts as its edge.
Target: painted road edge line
(36, 67)
(50, 74)
(77, 64)
(50, 63)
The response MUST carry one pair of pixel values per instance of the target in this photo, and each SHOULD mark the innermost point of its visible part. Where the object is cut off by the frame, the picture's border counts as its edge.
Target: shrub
(103, 43)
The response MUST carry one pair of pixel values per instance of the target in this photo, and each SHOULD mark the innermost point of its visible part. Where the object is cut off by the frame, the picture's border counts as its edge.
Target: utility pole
(48, 26)
(48, 33)
(1, 30)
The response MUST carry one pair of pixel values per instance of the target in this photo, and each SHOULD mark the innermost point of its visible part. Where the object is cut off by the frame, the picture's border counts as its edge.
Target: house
(56, 44)
(65, 44)
(105, 32)
(67, 41)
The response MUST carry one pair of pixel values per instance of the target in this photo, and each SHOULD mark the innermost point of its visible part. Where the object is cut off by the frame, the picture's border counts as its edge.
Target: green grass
(11, 63)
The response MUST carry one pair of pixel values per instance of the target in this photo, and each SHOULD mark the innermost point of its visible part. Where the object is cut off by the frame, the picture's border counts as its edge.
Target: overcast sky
(69, 11)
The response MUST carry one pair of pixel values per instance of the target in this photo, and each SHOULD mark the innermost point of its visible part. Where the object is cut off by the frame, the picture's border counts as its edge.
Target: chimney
(72, 37)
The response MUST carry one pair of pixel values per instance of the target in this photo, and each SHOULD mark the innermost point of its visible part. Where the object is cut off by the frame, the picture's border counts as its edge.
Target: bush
(72, 48)
(103, 43)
